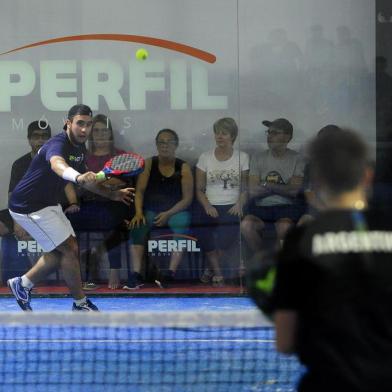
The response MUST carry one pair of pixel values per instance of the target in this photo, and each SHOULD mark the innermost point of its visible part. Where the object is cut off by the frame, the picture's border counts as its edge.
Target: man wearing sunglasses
(275, 179)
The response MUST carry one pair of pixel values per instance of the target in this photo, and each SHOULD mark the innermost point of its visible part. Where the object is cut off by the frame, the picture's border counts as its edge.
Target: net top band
(183, 319)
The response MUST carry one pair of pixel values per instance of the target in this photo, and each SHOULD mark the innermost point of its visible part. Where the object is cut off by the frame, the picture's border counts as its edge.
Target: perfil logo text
(31, 246)
(164, 245)
(60, 84)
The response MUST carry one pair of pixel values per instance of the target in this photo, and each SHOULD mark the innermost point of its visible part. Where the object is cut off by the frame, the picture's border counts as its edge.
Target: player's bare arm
(141, 186)
(237, 208)
(125, 195)
(88, 181)
(201, 182)
(72, 198)
(286, 325)
(256, 188)
(290, 189)
(62, 169)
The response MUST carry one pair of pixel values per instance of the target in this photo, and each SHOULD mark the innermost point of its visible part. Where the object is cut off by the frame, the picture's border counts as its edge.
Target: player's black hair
(338, 160)
(79, 109)
(40, 125)
(173, 133)
(328, 128)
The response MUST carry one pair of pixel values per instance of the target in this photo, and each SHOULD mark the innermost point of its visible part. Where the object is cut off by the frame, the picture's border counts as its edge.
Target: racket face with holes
(123, 165)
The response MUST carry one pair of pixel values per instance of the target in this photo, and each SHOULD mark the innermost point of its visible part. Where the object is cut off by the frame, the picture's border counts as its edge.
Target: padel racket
(122, 166)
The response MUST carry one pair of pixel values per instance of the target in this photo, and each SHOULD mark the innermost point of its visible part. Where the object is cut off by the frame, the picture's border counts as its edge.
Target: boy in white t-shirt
(221, 178)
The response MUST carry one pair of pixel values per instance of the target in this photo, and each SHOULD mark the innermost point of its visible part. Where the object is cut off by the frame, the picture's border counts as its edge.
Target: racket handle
(100, 176)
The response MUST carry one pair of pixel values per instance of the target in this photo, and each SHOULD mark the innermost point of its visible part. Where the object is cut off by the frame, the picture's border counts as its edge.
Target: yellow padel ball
(141, 54)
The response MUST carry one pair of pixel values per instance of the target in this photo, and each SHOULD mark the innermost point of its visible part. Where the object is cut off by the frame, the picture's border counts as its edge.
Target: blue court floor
(129, 304)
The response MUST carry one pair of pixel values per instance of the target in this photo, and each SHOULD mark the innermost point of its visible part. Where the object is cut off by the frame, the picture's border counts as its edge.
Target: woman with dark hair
(101, 143)
(164, 191)
(100, 214)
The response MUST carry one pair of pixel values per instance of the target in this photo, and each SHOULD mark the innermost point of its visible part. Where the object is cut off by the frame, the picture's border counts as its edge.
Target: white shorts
(49, 226)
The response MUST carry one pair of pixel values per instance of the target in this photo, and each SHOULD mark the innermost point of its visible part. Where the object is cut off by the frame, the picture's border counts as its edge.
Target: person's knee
(250, 224)
(69, 248)
(139, 235)
(212, 253)
(180, 222)
(304, 219)
(282, 226)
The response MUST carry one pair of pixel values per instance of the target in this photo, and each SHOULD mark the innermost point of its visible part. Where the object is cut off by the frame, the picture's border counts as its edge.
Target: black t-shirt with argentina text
(336, 273)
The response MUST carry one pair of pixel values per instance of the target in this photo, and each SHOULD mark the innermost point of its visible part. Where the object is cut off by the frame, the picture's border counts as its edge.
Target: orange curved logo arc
(171, 45)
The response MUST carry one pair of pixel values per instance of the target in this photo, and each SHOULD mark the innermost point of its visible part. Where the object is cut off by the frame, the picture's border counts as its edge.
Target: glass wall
(308, 61)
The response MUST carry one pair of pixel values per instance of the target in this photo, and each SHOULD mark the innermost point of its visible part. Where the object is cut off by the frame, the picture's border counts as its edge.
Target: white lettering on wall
(17, 79)
(61, 82)
(58, 77)
(102, 78)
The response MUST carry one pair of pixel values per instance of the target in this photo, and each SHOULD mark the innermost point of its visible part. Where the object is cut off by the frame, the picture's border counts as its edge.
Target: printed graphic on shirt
(73, 158)
(273, 177)
(229, 179)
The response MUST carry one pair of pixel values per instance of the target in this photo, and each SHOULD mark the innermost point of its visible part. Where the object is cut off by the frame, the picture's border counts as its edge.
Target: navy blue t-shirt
(41, 187)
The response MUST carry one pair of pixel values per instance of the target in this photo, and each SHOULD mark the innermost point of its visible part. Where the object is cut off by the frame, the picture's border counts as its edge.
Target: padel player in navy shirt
(41, 187)
(34, 204)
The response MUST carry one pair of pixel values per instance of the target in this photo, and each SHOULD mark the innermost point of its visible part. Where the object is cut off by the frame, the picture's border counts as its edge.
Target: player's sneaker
(22, 294)
(218, 281)
(207, 275)
(89, 286)
(164, 279)
(135, 281)
(87, 306)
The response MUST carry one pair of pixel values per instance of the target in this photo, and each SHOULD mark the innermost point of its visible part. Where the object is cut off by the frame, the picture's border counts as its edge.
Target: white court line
(137, 341)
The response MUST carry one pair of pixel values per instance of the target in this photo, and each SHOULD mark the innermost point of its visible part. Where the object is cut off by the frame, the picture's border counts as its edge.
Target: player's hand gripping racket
(122, 166)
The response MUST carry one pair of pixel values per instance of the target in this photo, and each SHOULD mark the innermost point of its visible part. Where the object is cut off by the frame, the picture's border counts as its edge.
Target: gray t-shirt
(278, 171)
